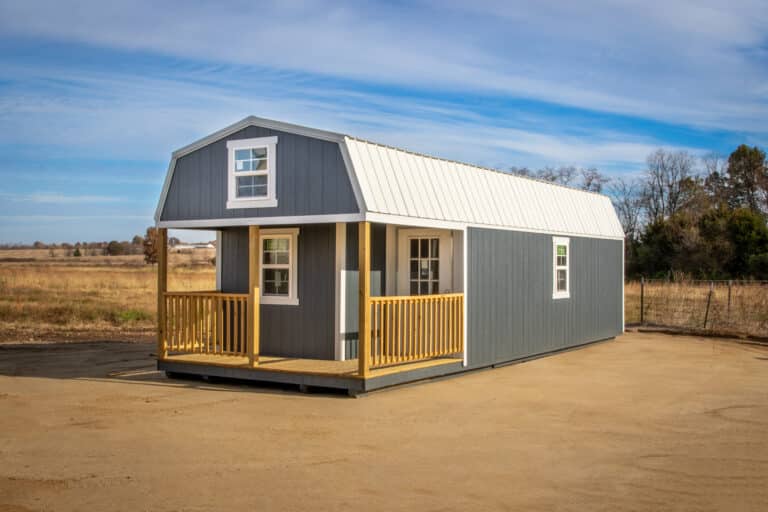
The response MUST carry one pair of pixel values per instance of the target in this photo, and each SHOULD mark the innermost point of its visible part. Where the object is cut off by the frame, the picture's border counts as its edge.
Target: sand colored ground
(645, 422)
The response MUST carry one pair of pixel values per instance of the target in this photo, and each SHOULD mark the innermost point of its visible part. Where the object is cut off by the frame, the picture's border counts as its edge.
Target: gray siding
(511, 313)
(311, 180)
(305, 330)
(378, 278)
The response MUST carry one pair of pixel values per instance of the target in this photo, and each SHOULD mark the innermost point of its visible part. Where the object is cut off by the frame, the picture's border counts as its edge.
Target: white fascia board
(261, 221)
(386, 218)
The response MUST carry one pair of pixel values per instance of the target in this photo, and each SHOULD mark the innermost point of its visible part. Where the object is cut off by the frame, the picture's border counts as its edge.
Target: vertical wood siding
(511, 313)
(305, 330)
(311, 180)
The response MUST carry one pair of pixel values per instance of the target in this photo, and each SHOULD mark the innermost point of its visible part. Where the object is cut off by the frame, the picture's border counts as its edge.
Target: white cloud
(686, 62)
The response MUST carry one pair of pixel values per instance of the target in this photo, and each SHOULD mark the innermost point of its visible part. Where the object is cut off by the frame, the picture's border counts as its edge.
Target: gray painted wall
(311, 180)
(378, 278)
(510, 310)
(306, 330)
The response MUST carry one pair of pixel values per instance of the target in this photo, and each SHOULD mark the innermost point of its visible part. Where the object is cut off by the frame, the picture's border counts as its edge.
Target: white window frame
(270, 200)
(560, 294)
(292, 235)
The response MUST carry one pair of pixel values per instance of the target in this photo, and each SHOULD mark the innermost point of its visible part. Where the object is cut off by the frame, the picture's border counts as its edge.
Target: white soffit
(401, 183)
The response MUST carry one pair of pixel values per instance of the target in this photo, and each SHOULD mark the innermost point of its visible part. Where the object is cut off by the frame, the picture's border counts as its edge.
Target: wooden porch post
(254, 294)
(364, 296)
(162, 287)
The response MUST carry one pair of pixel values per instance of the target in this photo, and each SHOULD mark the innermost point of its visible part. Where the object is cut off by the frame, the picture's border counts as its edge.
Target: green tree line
(703, 217)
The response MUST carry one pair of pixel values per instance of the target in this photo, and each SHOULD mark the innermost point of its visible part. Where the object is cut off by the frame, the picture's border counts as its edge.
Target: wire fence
(727, 307)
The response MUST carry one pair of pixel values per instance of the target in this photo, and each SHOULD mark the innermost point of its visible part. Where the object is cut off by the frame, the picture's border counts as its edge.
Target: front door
(424, 262)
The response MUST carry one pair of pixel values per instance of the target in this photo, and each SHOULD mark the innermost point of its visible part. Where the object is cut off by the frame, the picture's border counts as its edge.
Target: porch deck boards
(318, 367)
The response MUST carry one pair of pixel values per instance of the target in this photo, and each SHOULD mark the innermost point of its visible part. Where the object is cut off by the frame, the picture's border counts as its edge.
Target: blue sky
(94, 96)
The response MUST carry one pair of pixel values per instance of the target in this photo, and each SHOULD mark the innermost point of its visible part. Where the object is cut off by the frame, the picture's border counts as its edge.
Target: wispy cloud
(59, 198)
(93, 98)
(689, 65)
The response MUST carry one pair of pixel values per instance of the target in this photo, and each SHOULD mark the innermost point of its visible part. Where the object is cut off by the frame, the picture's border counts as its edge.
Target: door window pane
(434, 248)
(424, 247)
(434, 267)
(424, 266)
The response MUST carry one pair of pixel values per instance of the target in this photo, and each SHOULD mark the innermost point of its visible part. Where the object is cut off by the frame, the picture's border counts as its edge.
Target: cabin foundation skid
(309, 373)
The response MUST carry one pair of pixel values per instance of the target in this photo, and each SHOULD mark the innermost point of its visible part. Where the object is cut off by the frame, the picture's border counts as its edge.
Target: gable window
(278, 255)
(251, 173)
(561, 260)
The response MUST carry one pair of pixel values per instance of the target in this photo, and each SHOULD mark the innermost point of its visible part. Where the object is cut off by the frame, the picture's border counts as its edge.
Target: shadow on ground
(116, 362)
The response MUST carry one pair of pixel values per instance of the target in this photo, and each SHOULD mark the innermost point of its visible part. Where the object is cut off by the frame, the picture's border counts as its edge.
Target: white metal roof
(399, 186)
(395, 182)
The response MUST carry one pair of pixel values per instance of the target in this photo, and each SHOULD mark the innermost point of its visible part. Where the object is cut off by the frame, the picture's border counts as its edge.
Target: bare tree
(628, 201)
(593, 181)
(664, 192)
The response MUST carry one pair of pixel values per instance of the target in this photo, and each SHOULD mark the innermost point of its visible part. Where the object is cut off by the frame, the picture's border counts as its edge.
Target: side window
(251, 173)
(561, 258)
(278, 255)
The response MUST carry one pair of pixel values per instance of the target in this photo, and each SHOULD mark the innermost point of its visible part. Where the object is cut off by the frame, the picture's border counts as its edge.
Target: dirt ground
(645, 422)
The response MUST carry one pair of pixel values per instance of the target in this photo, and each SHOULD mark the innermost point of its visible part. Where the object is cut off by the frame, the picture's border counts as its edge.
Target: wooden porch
(401, 338)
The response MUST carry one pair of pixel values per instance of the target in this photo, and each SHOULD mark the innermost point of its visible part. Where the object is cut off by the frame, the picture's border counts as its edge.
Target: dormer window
(251, 173)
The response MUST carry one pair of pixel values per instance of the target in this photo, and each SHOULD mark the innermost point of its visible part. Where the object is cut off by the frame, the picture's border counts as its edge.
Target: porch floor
(306, 366)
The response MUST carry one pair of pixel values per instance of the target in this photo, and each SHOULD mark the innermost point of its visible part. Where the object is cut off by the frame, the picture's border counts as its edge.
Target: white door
(424, 262)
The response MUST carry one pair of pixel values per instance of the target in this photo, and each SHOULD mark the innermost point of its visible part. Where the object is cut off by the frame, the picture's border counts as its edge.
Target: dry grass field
(689, 305)
(89, 297)
(60, 297)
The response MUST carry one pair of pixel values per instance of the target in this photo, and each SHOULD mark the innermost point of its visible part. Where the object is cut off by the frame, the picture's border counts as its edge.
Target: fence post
(730, 283)
(709, 301)
(642, 300)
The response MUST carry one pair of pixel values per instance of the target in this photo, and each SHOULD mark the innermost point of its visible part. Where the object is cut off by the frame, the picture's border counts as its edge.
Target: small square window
(251, 173)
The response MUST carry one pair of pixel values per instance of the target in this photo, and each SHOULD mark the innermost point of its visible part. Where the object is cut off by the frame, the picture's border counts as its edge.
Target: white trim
(219, 237)
(261, 221)
(386, 218)
(340, 299)
(355, 217)
(465, 243)
(292, 234)
(268, 201)
(556, 242)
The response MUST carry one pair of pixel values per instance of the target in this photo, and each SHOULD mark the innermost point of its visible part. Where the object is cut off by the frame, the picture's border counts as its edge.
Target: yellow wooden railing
(206, 323)
(413, 328)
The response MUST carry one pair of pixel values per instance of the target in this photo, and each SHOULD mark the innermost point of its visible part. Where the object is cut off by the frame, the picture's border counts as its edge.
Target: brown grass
(113, 297)
(684, 305)
(90, 296)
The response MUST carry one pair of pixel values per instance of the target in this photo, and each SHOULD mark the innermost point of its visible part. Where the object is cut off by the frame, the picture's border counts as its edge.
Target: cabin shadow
(126, 363)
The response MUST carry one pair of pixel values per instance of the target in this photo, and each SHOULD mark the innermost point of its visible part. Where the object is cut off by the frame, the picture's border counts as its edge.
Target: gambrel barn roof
(397, 186)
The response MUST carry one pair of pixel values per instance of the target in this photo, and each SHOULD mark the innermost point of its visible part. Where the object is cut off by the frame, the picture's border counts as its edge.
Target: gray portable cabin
(463, 267)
